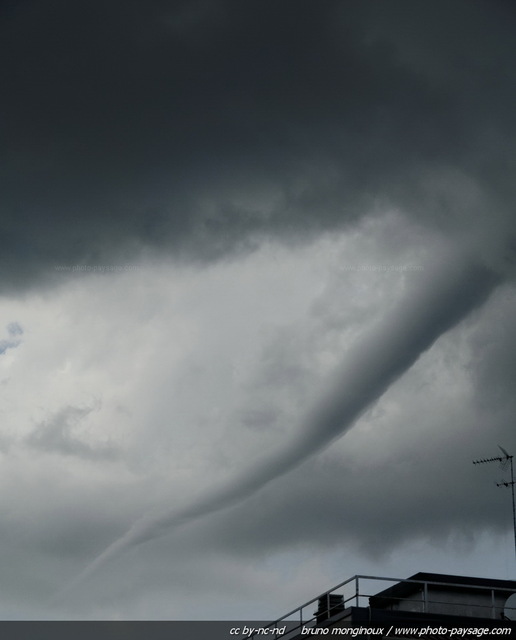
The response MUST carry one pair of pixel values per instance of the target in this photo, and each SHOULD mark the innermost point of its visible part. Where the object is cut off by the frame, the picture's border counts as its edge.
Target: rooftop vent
(329, 606)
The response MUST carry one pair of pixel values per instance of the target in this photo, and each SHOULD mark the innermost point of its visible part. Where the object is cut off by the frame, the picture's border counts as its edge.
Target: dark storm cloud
(196, 128)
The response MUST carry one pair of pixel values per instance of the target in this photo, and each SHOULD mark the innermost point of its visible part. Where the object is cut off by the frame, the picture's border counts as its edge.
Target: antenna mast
(506, 458)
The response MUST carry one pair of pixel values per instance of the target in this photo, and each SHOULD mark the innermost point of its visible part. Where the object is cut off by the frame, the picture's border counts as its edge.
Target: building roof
(447, 582)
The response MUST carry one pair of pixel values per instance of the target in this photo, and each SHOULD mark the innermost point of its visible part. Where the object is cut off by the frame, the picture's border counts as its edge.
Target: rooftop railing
(356, 591)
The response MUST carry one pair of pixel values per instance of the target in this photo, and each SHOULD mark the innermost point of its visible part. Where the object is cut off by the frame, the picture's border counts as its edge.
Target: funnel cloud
(442, 299)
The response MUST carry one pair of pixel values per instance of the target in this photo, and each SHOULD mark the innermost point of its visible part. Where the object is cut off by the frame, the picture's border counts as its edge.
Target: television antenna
(504, 462)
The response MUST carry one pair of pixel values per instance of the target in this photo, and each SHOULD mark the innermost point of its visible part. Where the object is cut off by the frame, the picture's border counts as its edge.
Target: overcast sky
(257, 300)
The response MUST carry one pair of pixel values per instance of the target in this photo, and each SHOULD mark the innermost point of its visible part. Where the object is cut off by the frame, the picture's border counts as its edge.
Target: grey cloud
(493, 368)
(59, 435)
(5, 345)
(259, 418)
(14, 330)
(376, 510)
